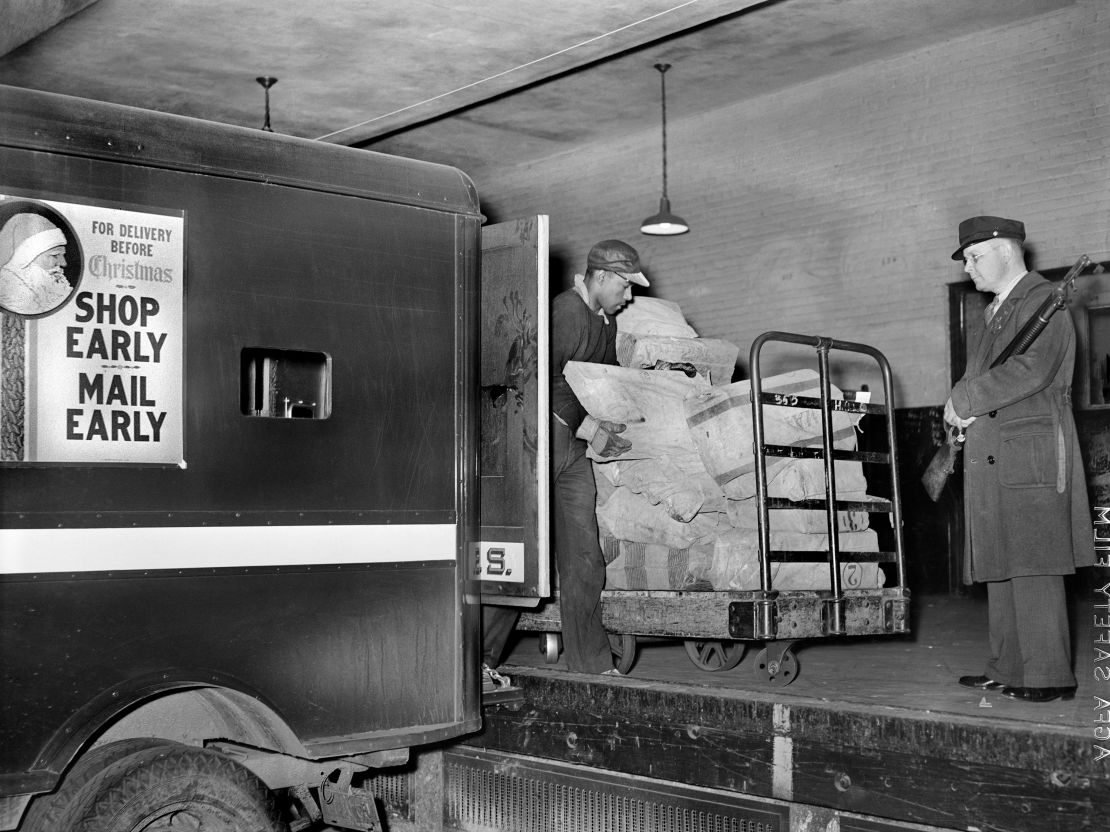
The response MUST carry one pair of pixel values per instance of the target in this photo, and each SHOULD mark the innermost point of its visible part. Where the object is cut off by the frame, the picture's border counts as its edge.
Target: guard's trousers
(1030, 641)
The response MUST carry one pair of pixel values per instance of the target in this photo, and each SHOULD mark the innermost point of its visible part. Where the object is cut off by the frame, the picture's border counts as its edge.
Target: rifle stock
(942, 465)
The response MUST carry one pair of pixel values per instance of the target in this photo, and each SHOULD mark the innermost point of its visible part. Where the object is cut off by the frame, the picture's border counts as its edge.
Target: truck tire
(175, 787)
(47, 809)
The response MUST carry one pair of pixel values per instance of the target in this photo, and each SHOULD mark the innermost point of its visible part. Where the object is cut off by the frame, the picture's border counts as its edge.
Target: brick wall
(831, 208)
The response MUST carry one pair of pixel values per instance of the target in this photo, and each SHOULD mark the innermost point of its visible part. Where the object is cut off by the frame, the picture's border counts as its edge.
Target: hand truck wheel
(776, 663)
(623, 647)
(714, 655)
(550, 646)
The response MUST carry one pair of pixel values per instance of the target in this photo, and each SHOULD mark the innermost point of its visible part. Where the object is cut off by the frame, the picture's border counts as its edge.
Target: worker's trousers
(578, 554)
(578, 559)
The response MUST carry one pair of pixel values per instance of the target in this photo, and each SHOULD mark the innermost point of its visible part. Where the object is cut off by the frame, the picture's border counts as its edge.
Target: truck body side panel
(368, 284)
(315, 563)
(319, 645)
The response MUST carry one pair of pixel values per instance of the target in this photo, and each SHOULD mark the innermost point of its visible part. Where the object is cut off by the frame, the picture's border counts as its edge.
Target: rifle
(943, 463)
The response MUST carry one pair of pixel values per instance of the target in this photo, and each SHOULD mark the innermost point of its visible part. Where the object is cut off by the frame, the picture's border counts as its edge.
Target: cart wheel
(780, 671)
(549, 646)
(624, 650)
(714, 655)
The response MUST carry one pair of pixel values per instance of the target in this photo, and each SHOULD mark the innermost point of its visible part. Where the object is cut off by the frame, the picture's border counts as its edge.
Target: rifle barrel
(1036, 324)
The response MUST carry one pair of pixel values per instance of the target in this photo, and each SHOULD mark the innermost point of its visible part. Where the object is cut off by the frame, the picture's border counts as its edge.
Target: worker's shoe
(611, 672)
(1039, 694)
(492, 681)
(981, 682)
(498, 689)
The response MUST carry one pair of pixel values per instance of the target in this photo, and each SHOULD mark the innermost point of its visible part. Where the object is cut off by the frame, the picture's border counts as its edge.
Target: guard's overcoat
(1025, 496)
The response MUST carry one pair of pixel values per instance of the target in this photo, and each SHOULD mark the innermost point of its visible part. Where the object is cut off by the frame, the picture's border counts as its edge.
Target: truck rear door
(512, 561)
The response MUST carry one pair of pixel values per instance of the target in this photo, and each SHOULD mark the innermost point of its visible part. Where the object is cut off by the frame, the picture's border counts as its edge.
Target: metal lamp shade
(664, 224)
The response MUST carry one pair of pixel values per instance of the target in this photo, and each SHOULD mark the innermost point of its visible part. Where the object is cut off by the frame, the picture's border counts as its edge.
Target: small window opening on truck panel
(285, 384)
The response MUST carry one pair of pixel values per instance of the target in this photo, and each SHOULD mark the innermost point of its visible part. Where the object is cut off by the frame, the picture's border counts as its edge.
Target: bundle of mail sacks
(678, 511)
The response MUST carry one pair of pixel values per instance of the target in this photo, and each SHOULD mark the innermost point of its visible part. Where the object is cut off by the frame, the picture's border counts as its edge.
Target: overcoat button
(990, 460)
(993, 413)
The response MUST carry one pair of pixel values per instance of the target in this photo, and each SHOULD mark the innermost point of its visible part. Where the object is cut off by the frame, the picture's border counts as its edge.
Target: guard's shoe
(1039, 694)
(980, 682)
(492, 681)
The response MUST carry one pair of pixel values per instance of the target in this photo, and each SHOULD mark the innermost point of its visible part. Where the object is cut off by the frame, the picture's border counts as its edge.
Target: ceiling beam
(25, 20)
(682, 17)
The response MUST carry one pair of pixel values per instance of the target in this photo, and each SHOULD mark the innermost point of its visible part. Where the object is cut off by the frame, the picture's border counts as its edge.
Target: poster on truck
(92, 329)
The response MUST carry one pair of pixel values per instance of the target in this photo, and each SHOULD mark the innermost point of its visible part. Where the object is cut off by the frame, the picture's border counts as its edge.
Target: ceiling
(464, 83)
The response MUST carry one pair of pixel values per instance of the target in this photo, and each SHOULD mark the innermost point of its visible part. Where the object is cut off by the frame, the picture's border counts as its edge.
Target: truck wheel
(48, 808)
(172, 788)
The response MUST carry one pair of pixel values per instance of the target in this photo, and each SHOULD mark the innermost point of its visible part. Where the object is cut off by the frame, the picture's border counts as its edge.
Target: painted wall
(831, 208)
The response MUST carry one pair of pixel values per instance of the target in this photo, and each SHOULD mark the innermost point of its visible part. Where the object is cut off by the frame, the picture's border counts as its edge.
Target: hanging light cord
(664, 223)
(663, 94)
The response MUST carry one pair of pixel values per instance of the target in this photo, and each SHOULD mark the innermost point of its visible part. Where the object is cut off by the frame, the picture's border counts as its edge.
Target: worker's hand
(953, 419)
(604, 436)
(682, 366)
(608, 442)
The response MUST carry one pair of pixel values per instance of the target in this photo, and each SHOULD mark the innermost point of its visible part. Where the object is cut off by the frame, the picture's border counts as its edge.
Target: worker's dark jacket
(1024, 490)
(577, 334)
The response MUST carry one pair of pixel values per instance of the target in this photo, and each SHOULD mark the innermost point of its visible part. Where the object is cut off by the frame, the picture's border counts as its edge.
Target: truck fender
(185, 712)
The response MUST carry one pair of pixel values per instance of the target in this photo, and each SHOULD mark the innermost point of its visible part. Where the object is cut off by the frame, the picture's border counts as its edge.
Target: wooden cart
(716, 625)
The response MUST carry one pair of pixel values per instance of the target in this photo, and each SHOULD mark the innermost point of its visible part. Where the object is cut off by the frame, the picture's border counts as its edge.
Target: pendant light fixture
(664, 223)
(267, 81)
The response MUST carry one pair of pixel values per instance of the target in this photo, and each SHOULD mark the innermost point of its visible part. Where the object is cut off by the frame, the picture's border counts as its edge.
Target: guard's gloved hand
(604, 437)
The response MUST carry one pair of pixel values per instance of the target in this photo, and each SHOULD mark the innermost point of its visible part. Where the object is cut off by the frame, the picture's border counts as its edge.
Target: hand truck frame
(716, 624)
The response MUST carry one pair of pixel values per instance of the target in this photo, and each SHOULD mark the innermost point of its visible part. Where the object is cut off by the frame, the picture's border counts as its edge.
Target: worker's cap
(617, 256)
(978, 229)
(25, 236)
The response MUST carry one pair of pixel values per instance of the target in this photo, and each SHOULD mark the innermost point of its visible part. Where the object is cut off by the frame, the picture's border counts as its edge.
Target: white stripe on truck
(203, 547)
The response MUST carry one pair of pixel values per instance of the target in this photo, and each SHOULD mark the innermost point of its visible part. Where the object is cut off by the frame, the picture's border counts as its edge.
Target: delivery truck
(239, 496)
